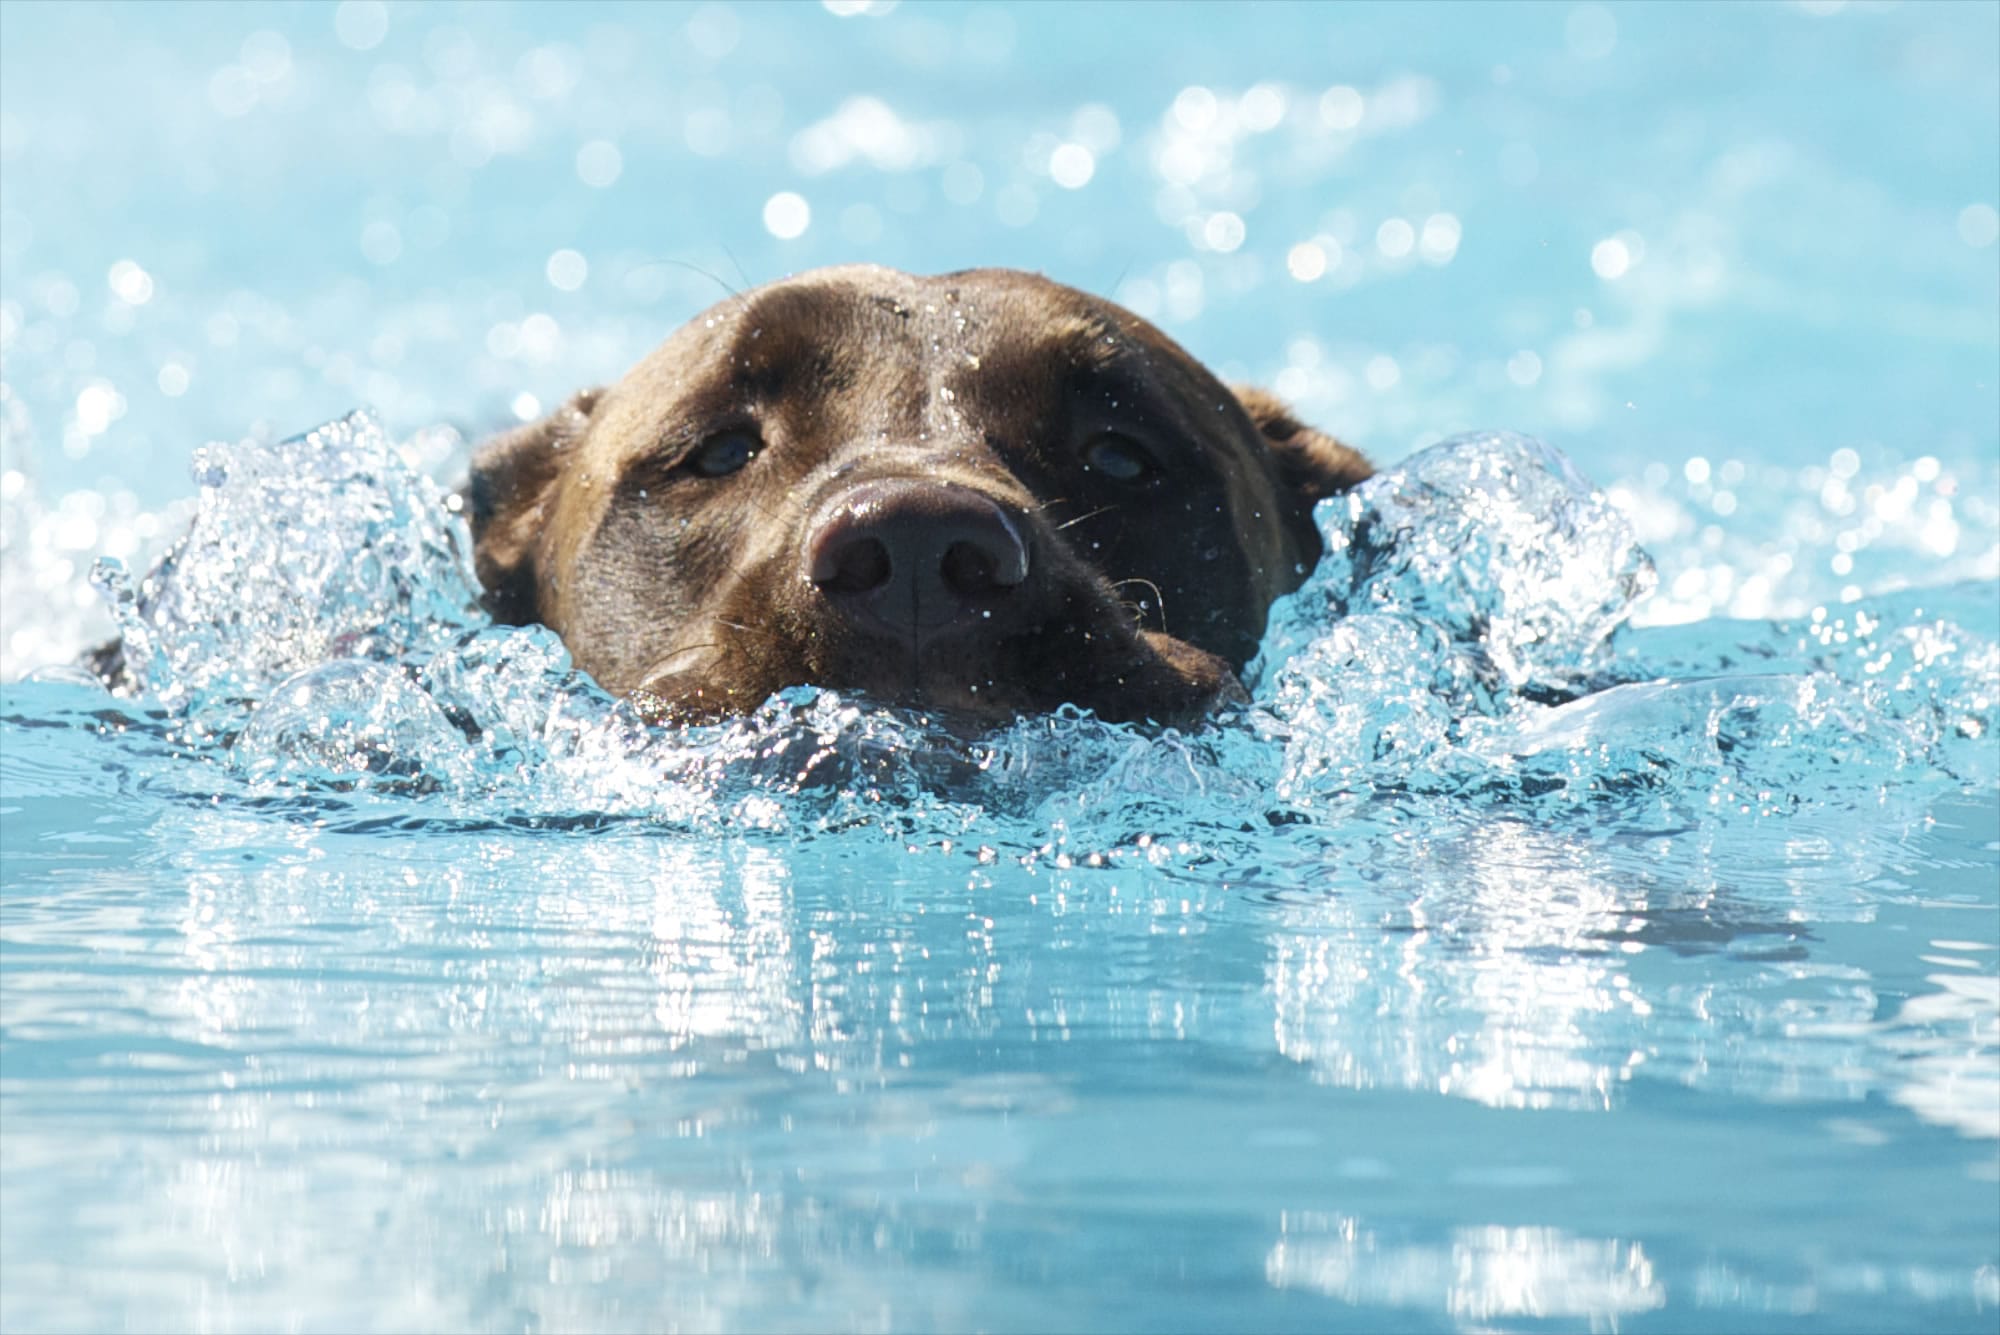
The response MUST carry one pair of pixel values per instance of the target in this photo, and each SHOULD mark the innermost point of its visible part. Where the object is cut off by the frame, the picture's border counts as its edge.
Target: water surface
(1593, 923)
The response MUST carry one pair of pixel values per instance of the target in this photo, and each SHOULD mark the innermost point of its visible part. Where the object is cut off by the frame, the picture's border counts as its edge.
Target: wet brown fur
(689, 591)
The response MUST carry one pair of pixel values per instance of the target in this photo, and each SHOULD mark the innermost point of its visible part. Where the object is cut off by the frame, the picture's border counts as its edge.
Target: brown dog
(982, 492)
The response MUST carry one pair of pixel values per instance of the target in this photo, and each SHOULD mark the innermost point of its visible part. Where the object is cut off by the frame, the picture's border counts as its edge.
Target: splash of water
(319, 630)
(325, 546)
(1492, 537)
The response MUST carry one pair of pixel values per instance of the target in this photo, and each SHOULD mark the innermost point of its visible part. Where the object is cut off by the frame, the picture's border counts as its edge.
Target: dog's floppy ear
(1311, 464)
(512, 479)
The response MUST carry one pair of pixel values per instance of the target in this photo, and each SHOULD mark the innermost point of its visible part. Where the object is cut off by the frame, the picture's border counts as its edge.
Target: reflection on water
(777, 1078)
(1479, 1274)
(1946, 1043)
(1541, 970)
(1504, 984)
(429, 992)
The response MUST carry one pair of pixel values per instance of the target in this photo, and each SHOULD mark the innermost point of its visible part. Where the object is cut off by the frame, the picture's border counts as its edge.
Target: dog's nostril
(858, 567)
(970, 569)
(914, 560)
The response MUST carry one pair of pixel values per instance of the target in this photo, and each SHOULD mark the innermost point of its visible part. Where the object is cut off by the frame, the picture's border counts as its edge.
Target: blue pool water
(1594, 923)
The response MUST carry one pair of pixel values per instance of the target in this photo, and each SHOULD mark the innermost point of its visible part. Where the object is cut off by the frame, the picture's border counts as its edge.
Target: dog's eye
(1119, 458)
(724, 453)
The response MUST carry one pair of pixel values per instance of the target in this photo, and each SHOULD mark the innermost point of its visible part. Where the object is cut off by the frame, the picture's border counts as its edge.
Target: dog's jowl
(982, 492)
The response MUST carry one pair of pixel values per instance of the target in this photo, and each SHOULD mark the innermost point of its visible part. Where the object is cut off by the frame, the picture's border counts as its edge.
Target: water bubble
(599, 163)
(1610, 258)
(1978, 225)
(787, 215)
(868, 129)
(130, 284)
(97, 407)
(567, 270)
(1071, 166)
(1524, 368)
(1195, 108)
(550, 72)
(1306, 261)
(1440, 237)
(1095, 126)
(1341, 107)
(1262, 107)
(1223, 231)
(539, 338)
(1395, 238)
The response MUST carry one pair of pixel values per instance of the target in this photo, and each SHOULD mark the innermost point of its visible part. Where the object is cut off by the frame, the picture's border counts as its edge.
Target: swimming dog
(983, 492)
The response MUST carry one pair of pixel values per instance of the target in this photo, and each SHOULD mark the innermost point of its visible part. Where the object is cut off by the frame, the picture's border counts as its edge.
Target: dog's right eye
(724, 453)
(1120, 458)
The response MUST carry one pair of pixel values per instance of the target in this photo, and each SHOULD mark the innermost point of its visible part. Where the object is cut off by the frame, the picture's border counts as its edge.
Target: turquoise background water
(1168, 1034)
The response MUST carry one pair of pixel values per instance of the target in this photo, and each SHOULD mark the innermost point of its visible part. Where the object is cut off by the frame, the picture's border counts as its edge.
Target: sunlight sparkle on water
(1501, 845)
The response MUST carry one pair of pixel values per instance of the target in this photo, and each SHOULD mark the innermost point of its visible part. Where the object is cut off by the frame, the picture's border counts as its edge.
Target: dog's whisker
(739, 273)
(748, 630)
(1072, 523)
(719, 644)
(1158, 597)
(710, 275)
(659, 667)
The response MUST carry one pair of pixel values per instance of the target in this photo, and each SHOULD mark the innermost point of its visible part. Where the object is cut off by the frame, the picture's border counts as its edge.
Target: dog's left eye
(1119, 458)
(723, 454)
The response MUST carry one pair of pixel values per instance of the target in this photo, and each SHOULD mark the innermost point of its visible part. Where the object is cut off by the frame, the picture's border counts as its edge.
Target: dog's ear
(1311, 464)
(512, 482)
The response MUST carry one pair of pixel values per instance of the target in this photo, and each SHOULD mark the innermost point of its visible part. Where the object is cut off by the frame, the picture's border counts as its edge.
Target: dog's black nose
(915, 559)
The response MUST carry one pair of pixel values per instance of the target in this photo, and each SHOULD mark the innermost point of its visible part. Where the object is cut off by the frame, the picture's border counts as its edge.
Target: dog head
(981, 492)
